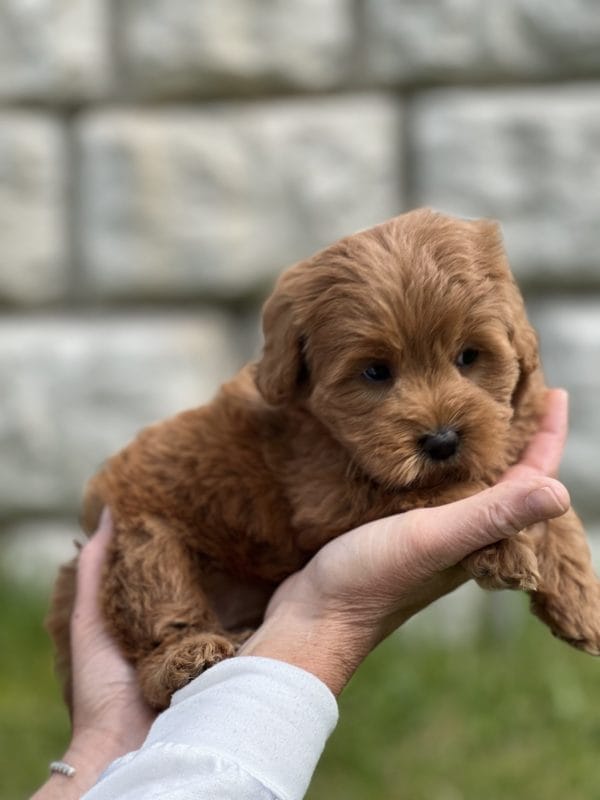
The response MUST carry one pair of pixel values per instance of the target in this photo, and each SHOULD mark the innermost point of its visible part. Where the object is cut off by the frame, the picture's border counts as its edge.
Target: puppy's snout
(440, 445)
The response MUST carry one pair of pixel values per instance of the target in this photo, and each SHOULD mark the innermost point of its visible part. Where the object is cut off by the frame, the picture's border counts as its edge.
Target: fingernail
(548, 501)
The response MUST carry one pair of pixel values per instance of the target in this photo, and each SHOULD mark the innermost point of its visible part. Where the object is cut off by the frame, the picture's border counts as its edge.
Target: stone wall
(162, 160)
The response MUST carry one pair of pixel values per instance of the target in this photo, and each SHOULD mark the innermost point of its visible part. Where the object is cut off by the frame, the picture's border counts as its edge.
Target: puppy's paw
(572, 617)
(174, 664)
(568, 597)
(508, 564)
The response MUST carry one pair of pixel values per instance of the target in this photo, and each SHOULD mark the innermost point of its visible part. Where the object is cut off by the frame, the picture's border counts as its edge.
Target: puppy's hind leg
(155, 606)
(568, 597)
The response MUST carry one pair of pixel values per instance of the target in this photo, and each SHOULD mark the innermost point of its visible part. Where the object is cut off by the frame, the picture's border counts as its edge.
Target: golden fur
(304, 445)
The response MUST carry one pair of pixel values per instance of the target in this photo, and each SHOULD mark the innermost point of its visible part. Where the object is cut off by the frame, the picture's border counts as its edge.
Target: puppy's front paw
(174, 664)
(509, 564)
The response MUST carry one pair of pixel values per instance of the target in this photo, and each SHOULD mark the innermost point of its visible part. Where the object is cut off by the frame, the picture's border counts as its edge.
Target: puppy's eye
(377, 372)
(468, 356)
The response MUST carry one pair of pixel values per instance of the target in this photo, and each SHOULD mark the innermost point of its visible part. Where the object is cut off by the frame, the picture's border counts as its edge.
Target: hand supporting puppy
(110, 717)
(363, 585)
(325, 618)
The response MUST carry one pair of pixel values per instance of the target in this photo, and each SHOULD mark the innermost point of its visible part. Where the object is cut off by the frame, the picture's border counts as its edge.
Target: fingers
(447, 534)
(91, 560)
(544, 452)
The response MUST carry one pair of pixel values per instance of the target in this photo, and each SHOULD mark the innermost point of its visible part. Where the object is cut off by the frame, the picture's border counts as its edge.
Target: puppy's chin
(415, 473)
(429, 476)
(477, 460)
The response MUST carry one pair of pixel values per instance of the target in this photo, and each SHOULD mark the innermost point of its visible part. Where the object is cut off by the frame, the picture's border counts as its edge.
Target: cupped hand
(365, 583)
(109, 716)
(106, 695)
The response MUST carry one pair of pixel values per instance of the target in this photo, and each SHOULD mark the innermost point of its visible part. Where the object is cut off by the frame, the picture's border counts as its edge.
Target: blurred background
(160, 162)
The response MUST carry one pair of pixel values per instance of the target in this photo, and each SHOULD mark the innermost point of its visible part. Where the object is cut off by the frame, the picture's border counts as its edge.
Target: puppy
(398, 371)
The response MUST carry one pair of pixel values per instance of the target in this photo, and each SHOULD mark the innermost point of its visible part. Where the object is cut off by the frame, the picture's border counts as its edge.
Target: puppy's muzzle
(441, 444)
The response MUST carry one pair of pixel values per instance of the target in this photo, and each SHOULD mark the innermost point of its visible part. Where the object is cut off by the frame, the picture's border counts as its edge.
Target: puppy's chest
(325, 509)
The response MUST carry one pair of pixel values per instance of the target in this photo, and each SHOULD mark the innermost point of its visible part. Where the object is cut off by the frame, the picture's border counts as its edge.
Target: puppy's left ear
(492, 259)
(279, 371)
(489, 255)
(524, 338)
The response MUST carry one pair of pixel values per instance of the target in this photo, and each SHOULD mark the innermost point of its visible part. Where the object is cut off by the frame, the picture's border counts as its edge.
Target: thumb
(456, 530)
(90, 565)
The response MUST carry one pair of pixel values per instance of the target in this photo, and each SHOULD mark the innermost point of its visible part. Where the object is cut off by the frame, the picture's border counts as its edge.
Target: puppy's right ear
(279, 371)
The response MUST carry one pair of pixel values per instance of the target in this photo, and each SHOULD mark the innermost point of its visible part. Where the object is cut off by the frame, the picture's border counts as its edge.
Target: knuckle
(500, 518)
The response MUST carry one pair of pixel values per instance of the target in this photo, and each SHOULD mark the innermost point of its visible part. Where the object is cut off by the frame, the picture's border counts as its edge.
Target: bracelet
(63, 768)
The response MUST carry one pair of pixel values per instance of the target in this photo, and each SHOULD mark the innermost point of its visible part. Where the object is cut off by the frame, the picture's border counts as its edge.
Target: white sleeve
(249, 728)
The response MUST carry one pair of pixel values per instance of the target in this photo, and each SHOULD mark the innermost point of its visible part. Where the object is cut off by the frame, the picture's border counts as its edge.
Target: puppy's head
(409, 342)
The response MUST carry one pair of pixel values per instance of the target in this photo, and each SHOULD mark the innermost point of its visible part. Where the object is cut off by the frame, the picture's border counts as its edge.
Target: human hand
(364, 584)
(106, 695)
(109, 717)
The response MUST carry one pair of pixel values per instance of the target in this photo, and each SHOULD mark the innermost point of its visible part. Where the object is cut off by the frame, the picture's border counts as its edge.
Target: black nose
(440, 445)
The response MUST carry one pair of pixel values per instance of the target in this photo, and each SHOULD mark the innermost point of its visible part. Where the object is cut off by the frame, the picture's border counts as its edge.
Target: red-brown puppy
(399, 371)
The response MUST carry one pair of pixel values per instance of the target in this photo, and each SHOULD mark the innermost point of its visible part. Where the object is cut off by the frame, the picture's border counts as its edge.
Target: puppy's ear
(525, 342)
(524, 339)
(488, 253)
(491, 259)
(280, 370)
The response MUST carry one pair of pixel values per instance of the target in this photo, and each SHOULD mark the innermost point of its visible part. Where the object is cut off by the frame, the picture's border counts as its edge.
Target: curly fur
(300, 447)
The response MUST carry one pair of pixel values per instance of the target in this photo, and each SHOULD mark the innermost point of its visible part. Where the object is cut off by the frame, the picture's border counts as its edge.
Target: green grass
(497, 719)
(501, 720)
(33, 721)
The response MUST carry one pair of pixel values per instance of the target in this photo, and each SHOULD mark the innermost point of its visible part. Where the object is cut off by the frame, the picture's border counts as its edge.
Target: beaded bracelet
(63, 768)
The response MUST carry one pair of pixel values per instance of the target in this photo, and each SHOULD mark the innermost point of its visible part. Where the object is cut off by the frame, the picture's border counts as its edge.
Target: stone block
(216, 202)
(53, 49)
(446, 40)
(529, 158)
(79, 389)
(569, 331)
(185, 47)
(33, 250)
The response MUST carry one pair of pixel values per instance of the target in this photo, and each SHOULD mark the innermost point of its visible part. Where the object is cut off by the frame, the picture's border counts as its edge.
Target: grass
(33, 721)
(500, 718)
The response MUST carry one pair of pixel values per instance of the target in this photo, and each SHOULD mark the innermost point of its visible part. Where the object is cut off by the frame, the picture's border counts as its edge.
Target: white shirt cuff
(267, 716)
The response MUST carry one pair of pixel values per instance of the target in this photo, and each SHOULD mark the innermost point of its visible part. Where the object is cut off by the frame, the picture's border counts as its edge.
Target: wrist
(327, 644)
(89, 753)
(99, 745)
